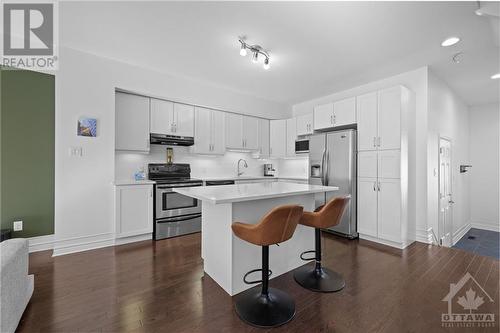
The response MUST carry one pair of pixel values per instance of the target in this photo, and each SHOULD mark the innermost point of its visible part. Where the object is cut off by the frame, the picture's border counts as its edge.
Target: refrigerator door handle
(327, 164)
(323, 179)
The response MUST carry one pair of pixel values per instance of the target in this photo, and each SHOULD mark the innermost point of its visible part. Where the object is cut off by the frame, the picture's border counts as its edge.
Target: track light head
(255, 57)
(266, 63)
(243, 50)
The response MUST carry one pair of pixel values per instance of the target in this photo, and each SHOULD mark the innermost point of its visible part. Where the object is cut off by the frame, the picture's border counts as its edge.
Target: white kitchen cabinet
(323, 116)
(183, 119)
(134, 210)
(389, 118)
(344, 112)
(277, 139)
(389, 164)
(242, 132)
(171, 118)
(367, 206)
(367, 121)
(161, 116)
(209, 135)
(367, 164)
(305, 124)
(389, 213)
(131, 122)
(250, 132)
(263, 149)
(291, 136)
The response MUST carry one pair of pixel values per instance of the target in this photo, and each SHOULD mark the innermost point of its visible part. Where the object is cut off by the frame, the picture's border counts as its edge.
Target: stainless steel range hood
(170, 140)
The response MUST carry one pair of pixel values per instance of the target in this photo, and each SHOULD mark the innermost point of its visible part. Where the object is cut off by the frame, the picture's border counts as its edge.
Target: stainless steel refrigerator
(332, 161)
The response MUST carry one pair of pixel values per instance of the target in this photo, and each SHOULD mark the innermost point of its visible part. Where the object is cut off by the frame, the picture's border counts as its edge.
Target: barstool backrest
(329, 215)
(275, 227)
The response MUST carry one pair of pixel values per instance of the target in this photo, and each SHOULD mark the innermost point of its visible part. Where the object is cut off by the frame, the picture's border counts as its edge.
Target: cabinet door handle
(331, 119)
(374, 186)
(374, 142)
(379, 141)
(378, 186)
(334, 118)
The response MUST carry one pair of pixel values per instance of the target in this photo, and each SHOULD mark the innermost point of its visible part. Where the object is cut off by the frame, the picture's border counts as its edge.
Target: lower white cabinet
(389, 212)
(134, 210)
(367, 206)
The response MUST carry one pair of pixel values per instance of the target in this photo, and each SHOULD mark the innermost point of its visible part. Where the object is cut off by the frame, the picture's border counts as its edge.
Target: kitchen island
(226, 257)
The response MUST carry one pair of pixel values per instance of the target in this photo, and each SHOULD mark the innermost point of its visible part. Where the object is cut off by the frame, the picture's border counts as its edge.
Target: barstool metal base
(321, 280)
(261, 310)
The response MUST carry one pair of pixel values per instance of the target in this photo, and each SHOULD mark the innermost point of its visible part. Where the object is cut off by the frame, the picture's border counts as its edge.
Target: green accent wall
(27, 139)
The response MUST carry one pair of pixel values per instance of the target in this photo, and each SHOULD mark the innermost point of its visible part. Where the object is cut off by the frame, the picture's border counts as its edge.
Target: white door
(445, 193)
(323, 116)
(304, 124)
(162, 117)
(183, 119)
(344, 112)
(389, 118)
(218, 137)
(367, 121)
(134, 210)
(277, 138)
(389, 209)
(263, 137)
(367, 164)
(389, 164)
(367, 206)
(234, 131)
(291, 136)
(250, 133)
(203, 131)
(132, 122)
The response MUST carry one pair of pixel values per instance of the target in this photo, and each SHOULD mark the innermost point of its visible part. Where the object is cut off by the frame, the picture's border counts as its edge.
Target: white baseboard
(132, 239)
(486, 226)
(457, 235)
(424, 236)
(400, 246)
(84, 243)
(41, 243)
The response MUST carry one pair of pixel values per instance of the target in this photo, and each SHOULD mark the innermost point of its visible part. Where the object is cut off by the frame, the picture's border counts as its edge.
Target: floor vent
(471, 237)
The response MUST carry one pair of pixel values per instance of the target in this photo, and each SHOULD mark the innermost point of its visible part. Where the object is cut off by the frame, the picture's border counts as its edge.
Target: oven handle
(171, 187)
(179, 219)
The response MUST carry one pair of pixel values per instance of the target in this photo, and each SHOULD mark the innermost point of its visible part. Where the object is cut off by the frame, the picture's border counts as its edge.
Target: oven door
(177, 226)
(172, 204)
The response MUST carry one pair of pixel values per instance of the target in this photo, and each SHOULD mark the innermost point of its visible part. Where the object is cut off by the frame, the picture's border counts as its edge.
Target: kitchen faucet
(244, 164)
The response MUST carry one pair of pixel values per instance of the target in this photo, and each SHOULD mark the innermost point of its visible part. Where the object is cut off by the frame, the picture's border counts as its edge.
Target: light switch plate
(18, 225)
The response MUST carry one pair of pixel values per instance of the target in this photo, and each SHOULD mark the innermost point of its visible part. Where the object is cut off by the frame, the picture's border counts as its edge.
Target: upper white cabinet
(263, 149)
(339, 113)
(379, 119)
(132, 122)
(134, 210)
(389, 118)
(367, 121)
(277, 138)
(291, 136)
(171, 118)
(209, 132)
(323, 116)
(242, 132)
(344, 112)
(183, 119)
(305, 124)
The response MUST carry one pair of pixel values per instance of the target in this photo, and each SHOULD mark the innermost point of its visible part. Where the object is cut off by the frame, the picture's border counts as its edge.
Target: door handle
(323, 179)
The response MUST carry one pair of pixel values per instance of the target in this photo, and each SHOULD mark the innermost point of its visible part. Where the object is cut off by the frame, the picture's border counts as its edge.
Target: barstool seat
(267, 307)
(317, 277)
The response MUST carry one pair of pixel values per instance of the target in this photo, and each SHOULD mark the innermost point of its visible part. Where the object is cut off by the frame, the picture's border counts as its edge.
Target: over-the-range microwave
(301, 146)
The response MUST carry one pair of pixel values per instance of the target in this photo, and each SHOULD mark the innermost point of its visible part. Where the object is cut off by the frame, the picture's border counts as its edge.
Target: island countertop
(249, 192)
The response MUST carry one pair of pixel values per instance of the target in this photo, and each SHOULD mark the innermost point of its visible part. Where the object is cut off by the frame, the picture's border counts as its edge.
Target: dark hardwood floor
(159, 287)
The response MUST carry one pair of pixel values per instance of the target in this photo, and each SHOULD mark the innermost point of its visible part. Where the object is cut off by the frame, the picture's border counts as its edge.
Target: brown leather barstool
(267, 307)
(318, 278)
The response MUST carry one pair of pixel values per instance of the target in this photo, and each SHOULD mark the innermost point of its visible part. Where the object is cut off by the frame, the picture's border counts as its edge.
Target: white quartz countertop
(133, 182)
(247, 178)
(248, 192)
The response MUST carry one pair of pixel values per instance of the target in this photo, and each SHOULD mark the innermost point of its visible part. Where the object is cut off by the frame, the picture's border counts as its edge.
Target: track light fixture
(256, 51)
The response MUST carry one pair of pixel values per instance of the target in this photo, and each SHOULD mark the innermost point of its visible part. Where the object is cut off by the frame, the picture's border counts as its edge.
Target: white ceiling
(316, 48)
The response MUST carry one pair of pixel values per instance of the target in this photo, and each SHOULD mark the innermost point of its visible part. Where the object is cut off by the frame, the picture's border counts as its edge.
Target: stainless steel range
(175, 214)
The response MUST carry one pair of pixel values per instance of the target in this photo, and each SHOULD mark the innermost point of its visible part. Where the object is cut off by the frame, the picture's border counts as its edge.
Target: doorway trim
(441, 229)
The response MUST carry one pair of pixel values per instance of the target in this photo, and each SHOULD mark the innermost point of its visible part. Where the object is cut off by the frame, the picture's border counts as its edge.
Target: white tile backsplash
(127, 163)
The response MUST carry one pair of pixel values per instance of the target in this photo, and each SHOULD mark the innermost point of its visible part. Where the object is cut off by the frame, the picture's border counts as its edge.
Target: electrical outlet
(18, 225)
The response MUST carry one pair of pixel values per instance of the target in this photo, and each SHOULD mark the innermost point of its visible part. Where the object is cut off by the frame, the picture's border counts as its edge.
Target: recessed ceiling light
(496, 76)
(450, 41)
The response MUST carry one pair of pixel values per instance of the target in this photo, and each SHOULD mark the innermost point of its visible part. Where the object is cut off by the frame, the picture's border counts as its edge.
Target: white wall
(448, 117)
(416, 81)
(484, 126)
(84, 199)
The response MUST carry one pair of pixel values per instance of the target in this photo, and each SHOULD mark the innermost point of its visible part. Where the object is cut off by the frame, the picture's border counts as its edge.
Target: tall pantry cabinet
(383, 119)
